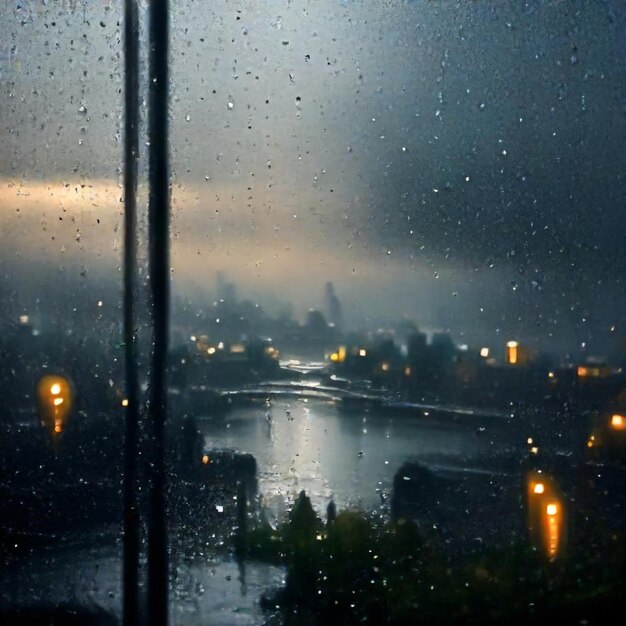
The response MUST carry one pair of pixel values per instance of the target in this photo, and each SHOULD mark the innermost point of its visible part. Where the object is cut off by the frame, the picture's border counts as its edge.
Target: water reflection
(351, 457)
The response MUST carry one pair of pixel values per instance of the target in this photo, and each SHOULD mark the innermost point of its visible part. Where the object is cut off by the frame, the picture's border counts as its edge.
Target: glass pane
(61, 338)
(397, 317)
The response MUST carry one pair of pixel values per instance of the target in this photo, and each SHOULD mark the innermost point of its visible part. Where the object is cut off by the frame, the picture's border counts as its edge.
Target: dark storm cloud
(515, 155)
(467, 157)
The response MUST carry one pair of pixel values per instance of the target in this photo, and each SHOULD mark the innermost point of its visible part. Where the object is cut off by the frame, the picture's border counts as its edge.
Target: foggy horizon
(470, 188)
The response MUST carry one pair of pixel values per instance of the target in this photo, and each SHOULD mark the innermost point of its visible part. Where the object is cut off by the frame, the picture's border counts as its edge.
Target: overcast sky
(458, 163)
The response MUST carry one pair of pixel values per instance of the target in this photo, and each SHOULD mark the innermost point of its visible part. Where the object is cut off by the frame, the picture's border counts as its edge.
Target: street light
(55, 399)
(545, 512)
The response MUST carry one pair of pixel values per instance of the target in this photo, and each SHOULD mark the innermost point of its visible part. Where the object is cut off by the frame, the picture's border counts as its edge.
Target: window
(312, 312)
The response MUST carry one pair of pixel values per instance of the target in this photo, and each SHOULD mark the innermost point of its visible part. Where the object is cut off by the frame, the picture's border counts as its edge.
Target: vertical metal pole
(158, 220)
(131, 149)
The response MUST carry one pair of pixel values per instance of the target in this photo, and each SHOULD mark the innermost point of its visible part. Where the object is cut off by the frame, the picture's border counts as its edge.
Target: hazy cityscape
(392, 422)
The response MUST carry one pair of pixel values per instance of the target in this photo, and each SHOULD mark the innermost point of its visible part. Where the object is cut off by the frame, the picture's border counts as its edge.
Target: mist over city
(473, 193)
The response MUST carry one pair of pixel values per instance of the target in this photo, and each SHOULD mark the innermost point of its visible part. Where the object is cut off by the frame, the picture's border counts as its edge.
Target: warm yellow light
(211, 350)
(618, 422)
(407, 371)
(205, 459)
(582, 371)
(362, 352)
(550, 374)
(125, 402)
(590, 443)
(529, 441)
(484, 352)
(545, 515)
(512, 344)
(334, 357)
(385, 367)
(512, 355)
(342, 354)
(534, 450)
(553, 536)
(54, 399)
(271, 351)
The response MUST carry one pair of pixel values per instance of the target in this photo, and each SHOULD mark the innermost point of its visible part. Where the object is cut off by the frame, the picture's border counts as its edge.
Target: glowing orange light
(546, 515)
(205, 459)
(385, 367)
(618, 422)
(553, 535)
(407, 371)
(596, 371)
(54, 399)
(511, 352)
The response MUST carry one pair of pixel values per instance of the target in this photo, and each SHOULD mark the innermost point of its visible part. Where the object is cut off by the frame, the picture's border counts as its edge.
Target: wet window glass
(61, 337)
(395, 386)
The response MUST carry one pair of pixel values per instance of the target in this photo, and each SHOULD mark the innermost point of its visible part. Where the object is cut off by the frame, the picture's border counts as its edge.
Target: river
(311, 445)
